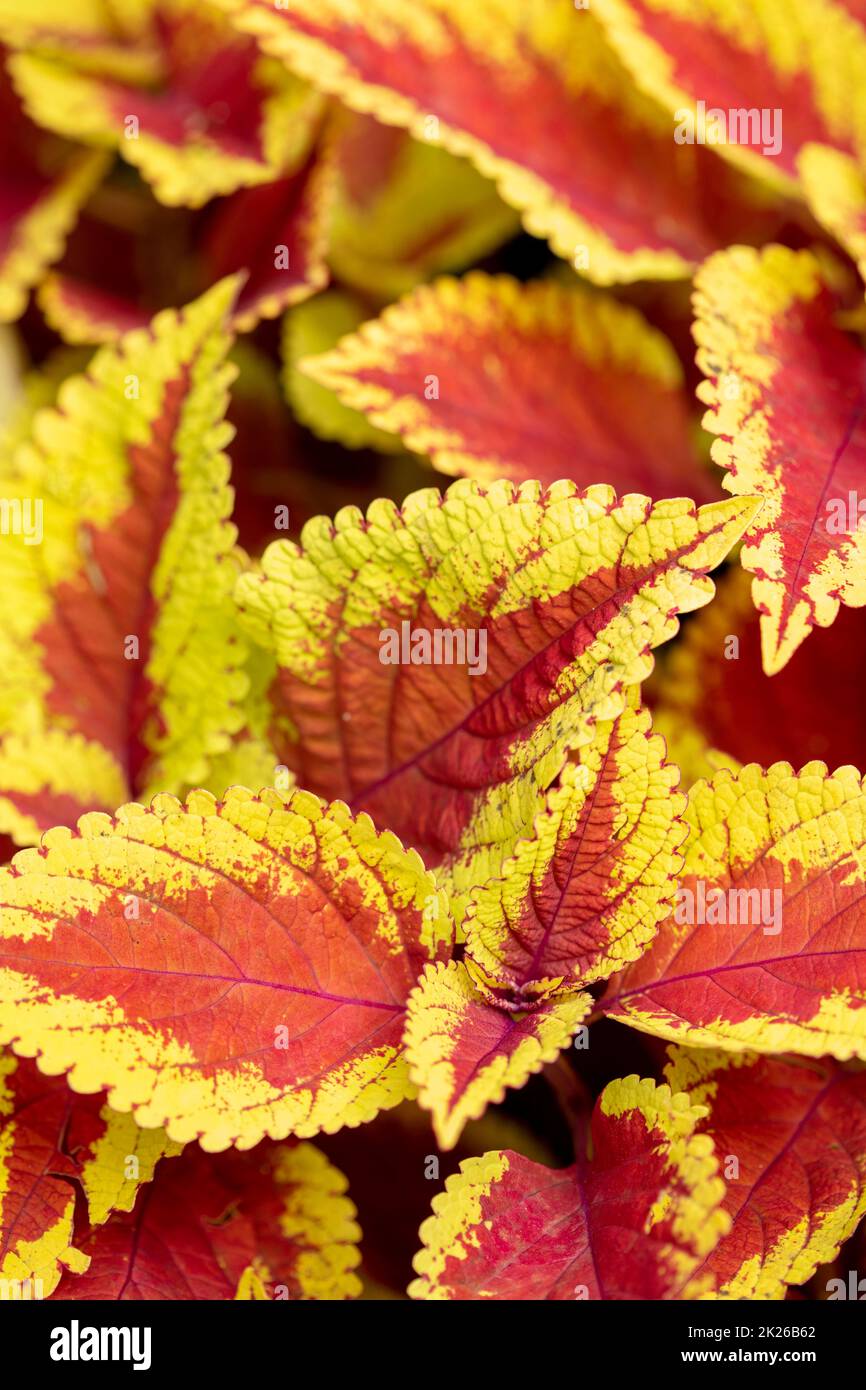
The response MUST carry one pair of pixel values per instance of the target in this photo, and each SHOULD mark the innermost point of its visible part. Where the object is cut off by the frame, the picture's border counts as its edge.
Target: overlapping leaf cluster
(268, 894)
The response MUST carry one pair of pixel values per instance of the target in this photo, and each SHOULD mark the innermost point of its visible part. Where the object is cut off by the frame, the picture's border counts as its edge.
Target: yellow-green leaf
(764, 949)
(531, 611)
(228, 970)
(463, 1052)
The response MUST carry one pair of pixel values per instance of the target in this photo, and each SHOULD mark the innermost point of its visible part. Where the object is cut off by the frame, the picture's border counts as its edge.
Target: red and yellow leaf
(463, 1052)
(45, 183)
(799, 61)
(185, 98)
(277, 234)
(391, 1200)
(564, 593)
(273, 1224)
(52, 1141)
(104, 36)
(227, 969)
(574, 902)
(122, 665)
(715, 707)
(765, 949)
(637, 1221)
(406, 209)
(584, 896)
(531, 92)
(786, 401)
(83, 313)
(493, 378)
(312, 329)
(790, 1138)
(50, 777)
(835, 188)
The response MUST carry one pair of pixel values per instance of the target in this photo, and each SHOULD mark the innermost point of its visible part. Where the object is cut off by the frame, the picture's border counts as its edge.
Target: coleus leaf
(311, 329)
(45, 183)
(227, 969)
(406, 209)
(713, 704)
(122, 665)
(275, 1223)
(574, 902)
(764, 949)
(52, 1142)
(493, 378)
(197, 110)
(24, 396)
(785, 394)
(635, 1222)
(383, 1161)
(567, 592)
(585, 894)
(256, 403)
(84, 313)
(790, 1136)
(835, 189)
(249, 759)
(533, 94)
(801, 63)
(463, 1052)
(108, 37)
(277, 234)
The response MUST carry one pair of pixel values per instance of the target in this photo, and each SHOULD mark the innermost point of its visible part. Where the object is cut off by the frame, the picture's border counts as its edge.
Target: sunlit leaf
(779, 73)
(636, 1221)
(764, 949)
(407, 209)
(52, 1143)
(531, 92)
(227, 969)
(496, 379)
(273, 1224)
(784, 386)
(277, 236)
(82, 313)
(790, 1137)
(121, 660)
(585, 894)
(45, 183)
(558, 597)
(184, 98)
(835, 187)
(310, 330)
(463, 1052)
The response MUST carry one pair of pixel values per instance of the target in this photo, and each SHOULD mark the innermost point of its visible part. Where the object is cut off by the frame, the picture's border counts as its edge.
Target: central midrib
(218, 979)
(670, 562)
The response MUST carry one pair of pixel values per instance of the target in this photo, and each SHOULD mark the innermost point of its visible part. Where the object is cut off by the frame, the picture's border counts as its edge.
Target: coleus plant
(356, 832)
